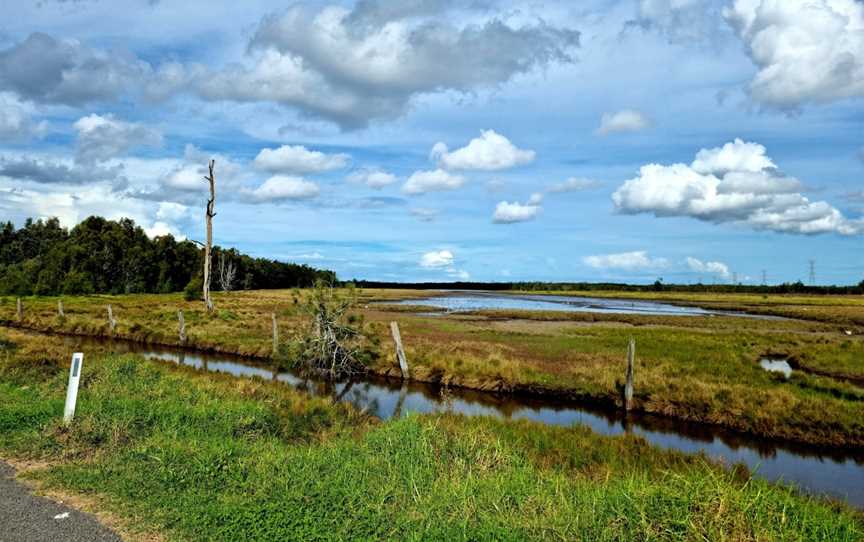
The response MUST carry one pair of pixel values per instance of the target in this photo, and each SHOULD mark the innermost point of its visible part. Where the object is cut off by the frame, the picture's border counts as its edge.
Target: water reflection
(475, 301)
(776, 366)
(820, 471)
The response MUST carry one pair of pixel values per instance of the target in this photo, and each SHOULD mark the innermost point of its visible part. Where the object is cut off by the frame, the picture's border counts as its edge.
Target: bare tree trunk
(112, 323)
(275, 335)
(181, 327)
(628, 385)
(208, 248)
(226, 272)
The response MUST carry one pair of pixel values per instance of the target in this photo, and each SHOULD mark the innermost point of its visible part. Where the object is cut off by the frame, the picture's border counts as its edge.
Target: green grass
(207, 457)
(699, 369)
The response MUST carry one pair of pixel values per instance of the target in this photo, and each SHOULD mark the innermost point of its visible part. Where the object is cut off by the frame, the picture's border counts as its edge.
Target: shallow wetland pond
(459, 301)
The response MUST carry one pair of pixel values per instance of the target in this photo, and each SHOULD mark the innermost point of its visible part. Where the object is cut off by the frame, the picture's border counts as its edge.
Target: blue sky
(434, 140)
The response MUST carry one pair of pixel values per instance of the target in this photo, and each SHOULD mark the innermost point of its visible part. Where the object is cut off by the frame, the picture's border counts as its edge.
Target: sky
(436, 140)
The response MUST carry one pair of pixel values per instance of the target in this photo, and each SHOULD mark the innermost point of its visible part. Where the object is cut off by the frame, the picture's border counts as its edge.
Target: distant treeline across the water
(785, 288)
(108, 256)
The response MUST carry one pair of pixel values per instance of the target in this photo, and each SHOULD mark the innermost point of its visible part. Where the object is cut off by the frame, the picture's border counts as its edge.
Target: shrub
(194, 290)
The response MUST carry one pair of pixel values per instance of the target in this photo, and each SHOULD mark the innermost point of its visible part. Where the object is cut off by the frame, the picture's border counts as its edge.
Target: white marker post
(72, 391)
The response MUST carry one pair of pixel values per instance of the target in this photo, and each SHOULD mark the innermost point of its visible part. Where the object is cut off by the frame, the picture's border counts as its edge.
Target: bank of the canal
(836, 472)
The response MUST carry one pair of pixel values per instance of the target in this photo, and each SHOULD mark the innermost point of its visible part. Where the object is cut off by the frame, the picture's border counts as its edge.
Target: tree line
(117, 257)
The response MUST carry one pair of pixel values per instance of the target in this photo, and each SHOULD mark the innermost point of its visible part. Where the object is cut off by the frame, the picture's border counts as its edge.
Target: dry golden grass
(696, 368)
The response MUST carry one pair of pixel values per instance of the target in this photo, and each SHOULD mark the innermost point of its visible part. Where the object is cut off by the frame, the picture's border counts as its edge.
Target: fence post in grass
(400, 353)
(72, 389)
(20, 310)
(181, 326)
(60, 312)
(628, 385)
(275, 334)
(112, 323)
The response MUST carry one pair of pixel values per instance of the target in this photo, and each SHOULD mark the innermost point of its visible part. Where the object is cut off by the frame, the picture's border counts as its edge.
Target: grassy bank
(200, 456)
(694, 368)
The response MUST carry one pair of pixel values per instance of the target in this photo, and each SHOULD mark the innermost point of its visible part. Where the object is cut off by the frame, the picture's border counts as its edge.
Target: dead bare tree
(208, 247)
(227, 272)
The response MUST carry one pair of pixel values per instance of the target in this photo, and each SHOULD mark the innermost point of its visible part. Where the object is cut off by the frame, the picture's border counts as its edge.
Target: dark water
(475, 301)
(832, 472)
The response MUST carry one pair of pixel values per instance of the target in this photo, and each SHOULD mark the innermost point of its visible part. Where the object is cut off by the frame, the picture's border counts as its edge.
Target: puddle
(776, 365)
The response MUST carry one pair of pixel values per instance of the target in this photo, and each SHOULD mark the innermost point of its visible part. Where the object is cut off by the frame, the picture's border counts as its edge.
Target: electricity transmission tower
(764, 278)
(812, 272)
(735, 277)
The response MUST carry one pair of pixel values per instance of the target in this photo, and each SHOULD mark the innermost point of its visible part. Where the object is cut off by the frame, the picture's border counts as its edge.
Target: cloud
(717, 268)
(437, 259)
(172, 212)
(48, 171)
(282, 188)
(625, 260)
(101, 138)
(805, 50)
(72, 206)
(373, 178)
(46, 70)
(424, 215)
(573, 184)
(352, 67)
(736, 183)
(16, 122)
(298, 159)
(489, 152)
(626, 120)
(679, 21)
(183, 179)
(438, 180)
(510, 213)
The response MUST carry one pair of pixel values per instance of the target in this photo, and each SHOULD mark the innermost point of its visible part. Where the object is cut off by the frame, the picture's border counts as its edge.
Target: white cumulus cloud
(717, 268)
(298, 159)
(737, 183)
(373, 178)
(510, 213)
(437, 259)
(16, 120)
(281, 188)
(489, 152)
(805, 50)
(438, 180)
(101, 138)
(625, 260)
(626, 120)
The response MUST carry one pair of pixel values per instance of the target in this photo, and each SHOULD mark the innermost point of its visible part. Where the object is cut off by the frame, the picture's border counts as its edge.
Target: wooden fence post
(181, 326)
(60, 311)
(112, 323)
(400, 353)
(628, 385)
(275, 334)
(20, 310)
